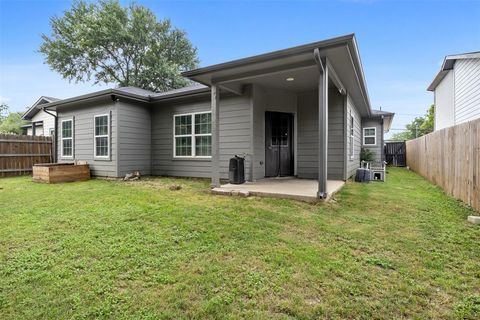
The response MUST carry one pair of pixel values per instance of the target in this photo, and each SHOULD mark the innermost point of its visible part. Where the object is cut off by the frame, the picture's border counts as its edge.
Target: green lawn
(110, 249)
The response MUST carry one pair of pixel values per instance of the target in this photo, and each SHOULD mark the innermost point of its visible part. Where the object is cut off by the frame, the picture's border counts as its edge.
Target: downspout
(55, 143)
(322, 125)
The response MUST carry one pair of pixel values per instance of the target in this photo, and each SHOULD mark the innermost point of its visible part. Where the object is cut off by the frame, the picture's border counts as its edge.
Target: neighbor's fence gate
(395, 154)
(18, 154)
(450, 158)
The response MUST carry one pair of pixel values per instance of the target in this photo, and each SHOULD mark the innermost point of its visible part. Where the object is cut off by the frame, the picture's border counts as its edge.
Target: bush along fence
(18, 154)
(450, 158)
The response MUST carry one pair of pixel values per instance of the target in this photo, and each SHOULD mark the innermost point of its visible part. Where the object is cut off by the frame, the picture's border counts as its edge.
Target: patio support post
(322, 125)
(215, 136)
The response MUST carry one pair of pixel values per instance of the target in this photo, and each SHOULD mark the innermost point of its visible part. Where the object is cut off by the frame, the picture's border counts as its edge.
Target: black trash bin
(236, 170)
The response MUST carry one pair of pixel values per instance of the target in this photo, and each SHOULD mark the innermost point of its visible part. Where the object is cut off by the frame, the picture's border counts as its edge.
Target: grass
(109, 249)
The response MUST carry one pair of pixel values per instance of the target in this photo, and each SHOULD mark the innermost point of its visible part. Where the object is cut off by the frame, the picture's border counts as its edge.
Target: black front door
(278, 144)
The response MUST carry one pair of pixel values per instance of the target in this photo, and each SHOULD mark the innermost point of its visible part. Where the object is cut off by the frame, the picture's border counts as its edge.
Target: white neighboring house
(456, 90)
(41, 122)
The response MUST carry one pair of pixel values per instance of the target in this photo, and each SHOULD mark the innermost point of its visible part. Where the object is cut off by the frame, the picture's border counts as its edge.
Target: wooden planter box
(60, 172)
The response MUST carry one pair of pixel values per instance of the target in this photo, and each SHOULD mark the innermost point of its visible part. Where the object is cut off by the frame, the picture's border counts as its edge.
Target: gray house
(302, 112)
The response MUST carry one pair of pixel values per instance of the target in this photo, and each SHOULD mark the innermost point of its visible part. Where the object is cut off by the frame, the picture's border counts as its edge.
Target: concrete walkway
(289, 188)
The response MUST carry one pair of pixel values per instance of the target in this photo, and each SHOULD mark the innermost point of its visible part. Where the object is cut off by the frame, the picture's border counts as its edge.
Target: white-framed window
(67, 138)
(102, 136)
(369, 136)
(351, 137)
(192, 135)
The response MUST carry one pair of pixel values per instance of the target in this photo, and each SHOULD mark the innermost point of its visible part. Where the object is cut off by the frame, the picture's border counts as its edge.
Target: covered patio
(286, 188)
(317, 89)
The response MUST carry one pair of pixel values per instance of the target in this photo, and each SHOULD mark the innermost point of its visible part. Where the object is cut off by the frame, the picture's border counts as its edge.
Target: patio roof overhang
(272, 70)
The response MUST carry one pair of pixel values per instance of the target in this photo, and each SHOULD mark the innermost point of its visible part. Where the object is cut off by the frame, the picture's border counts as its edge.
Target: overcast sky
(402, 43)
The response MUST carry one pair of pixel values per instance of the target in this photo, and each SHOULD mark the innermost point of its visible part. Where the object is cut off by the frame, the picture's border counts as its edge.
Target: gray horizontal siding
(235, 136)
(83, 133)
(307, 149)
(134, 134)
(377, 149)
(353, 163)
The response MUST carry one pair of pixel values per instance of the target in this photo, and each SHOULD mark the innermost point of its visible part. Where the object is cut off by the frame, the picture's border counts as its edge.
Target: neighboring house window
(67, 138)
(102, 136)
(193, 135)
(352, 130)
(369, 136)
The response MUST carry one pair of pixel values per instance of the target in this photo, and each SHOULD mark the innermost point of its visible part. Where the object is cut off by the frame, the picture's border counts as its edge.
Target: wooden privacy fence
(18, 154)
(450, 158)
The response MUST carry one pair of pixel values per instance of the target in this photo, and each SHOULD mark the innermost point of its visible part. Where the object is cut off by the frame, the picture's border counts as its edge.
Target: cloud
(4, 99)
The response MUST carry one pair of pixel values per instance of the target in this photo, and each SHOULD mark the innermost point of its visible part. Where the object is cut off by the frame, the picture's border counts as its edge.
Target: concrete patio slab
(288, 188)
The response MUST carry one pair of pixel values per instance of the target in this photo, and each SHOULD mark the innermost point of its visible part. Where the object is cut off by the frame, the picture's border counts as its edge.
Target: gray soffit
(448, 64)
(33, 110)
(342, 53)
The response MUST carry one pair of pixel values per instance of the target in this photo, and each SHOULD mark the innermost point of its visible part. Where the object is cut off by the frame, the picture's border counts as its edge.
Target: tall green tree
(420, 126)
(109, 43)
(12, 123)
(3, 111)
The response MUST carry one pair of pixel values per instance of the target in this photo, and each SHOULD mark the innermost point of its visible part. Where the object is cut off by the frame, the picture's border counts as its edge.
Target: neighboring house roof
(448, 64)
(387, 118)
(34, 109)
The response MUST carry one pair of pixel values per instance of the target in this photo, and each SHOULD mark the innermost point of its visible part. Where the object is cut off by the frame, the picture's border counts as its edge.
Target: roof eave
(268, 56)
(180, 94)
(33, 110)
(94, 95)
(349, 40)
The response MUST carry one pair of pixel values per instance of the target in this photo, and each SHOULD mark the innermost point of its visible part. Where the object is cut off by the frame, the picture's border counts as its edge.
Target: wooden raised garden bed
(60, 172)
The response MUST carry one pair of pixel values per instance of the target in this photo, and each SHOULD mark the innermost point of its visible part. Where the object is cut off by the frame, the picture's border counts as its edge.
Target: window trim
(69, 138)
(95, 136)
(352, 137)
(370, 136)
(192, 135)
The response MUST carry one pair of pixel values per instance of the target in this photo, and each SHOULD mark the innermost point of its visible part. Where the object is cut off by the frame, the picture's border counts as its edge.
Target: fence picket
(450, 158)
(18, 154)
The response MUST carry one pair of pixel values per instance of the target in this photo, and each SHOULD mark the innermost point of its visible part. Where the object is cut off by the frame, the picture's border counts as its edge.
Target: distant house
(41, 123)
(456, 90)
(302, 112)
